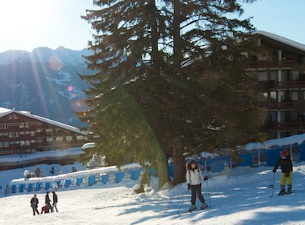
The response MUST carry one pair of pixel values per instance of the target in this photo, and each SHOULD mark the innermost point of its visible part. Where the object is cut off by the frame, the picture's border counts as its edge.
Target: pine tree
(163, 62)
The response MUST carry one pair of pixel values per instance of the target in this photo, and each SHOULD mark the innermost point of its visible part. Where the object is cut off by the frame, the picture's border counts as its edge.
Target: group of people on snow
(47, 207)
(194, 178)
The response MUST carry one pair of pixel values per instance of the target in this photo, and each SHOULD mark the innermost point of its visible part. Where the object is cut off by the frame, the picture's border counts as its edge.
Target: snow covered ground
(237, 196)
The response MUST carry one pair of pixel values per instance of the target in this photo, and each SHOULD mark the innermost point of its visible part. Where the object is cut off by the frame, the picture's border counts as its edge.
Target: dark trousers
(35, 210)
(196, 190)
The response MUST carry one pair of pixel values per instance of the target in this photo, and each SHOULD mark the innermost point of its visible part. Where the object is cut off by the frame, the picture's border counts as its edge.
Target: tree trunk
(163, 173)
(179, 163)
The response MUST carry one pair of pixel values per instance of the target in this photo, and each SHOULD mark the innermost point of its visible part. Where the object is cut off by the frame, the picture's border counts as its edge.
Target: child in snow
(45, 209)
(194, 179)
(286, 165)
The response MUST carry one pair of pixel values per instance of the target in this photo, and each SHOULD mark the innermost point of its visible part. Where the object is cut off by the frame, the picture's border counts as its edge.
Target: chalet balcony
(296, 84)
(289, 126)
(271, 64)
(277, 105)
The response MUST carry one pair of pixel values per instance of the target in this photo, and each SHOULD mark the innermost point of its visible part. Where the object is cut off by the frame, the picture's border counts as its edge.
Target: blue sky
(27, 24)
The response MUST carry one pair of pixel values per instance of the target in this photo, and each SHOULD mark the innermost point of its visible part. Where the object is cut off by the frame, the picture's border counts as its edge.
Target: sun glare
(23, 14)
(21, 20)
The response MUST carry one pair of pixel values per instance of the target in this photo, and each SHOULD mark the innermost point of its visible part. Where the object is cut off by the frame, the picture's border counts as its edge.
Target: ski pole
(208, 192)
(273, 185)
(183, 201)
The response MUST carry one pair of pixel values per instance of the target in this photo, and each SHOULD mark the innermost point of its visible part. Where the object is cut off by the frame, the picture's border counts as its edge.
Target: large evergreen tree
(184, 90)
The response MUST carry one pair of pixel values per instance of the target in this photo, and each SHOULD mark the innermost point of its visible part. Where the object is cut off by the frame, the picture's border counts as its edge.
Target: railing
(75, 180)
(297, 126)
(289, 84)
(271, 64)
(277, 105)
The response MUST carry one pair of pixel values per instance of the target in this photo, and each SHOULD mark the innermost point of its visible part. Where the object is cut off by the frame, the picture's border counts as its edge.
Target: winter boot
(203, 206)
(283, 191)
(193, 207)
(289, 191)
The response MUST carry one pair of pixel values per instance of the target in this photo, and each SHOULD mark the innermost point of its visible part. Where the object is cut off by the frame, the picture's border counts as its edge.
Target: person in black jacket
(286, 165)
(48, 201)
(55, 200)
(34, 204)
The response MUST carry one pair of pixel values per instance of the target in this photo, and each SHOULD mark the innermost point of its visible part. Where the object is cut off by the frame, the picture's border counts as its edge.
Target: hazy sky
(27, 24)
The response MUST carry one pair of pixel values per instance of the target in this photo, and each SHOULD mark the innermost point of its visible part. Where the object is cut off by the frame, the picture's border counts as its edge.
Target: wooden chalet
(23, 132)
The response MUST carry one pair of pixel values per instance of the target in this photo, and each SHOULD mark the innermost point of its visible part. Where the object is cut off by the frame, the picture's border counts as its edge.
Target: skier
(55, 200)
(286, 165)
(194, 179)
(48, 201)
(34, 204)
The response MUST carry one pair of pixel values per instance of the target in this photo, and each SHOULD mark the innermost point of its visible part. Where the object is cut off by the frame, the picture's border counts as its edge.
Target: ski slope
(237, 196)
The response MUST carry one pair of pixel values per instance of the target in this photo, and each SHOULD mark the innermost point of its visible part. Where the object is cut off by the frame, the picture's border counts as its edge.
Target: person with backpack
(34, 204)
(194, 179)
(286, 165)
(55, 200)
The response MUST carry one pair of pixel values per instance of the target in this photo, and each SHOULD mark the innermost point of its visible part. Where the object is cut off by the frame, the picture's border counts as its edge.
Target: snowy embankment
(237, 196)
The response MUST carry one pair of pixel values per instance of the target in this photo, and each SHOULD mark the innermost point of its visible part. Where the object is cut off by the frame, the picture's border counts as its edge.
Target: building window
(294, 95)
(262, 75)
(21, 125)
(295, 75)
(260, 96)
(27, 124)
(59, 138)
(39, 130)
(284, 75)
(69, 138)
(284, 116)
(273, 96)
(78, 138)
(32, 133)
(273, 116)
(49, 139)
(13, 134)
(4, 144)
(25, 143)
(274, 75)
(13, 116)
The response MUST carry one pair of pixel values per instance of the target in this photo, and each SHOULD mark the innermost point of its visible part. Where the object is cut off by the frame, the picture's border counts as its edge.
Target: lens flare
(55, 63)
(70, 88)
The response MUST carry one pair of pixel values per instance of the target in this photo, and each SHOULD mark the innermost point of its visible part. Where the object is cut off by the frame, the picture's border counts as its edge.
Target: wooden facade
(281, 74)
(22, 132)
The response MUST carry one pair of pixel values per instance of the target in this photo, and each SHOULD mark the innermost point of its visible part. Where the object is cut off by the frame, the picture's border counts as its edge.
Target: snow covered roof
(5, 111)
(281, 39)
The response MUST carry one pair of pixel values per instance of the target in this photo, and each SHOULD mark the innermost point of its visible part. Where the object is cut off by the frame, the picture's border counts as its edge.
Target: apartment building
(281, 73)
(23, 132)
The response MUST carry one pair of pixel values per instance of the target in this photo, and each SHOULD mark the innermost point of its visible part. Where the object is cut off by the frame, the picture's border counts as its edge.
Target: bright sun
(24, 14)
(22, 19)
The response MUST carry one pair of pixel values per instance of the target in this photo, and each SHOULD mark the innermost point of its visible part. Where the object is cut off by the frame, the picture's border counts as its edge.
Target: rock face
(44, 81)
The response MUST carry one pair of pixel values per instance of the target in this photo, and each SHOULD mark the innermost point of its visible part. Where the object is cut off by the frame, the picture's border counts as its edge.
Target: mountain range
(44, 82)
